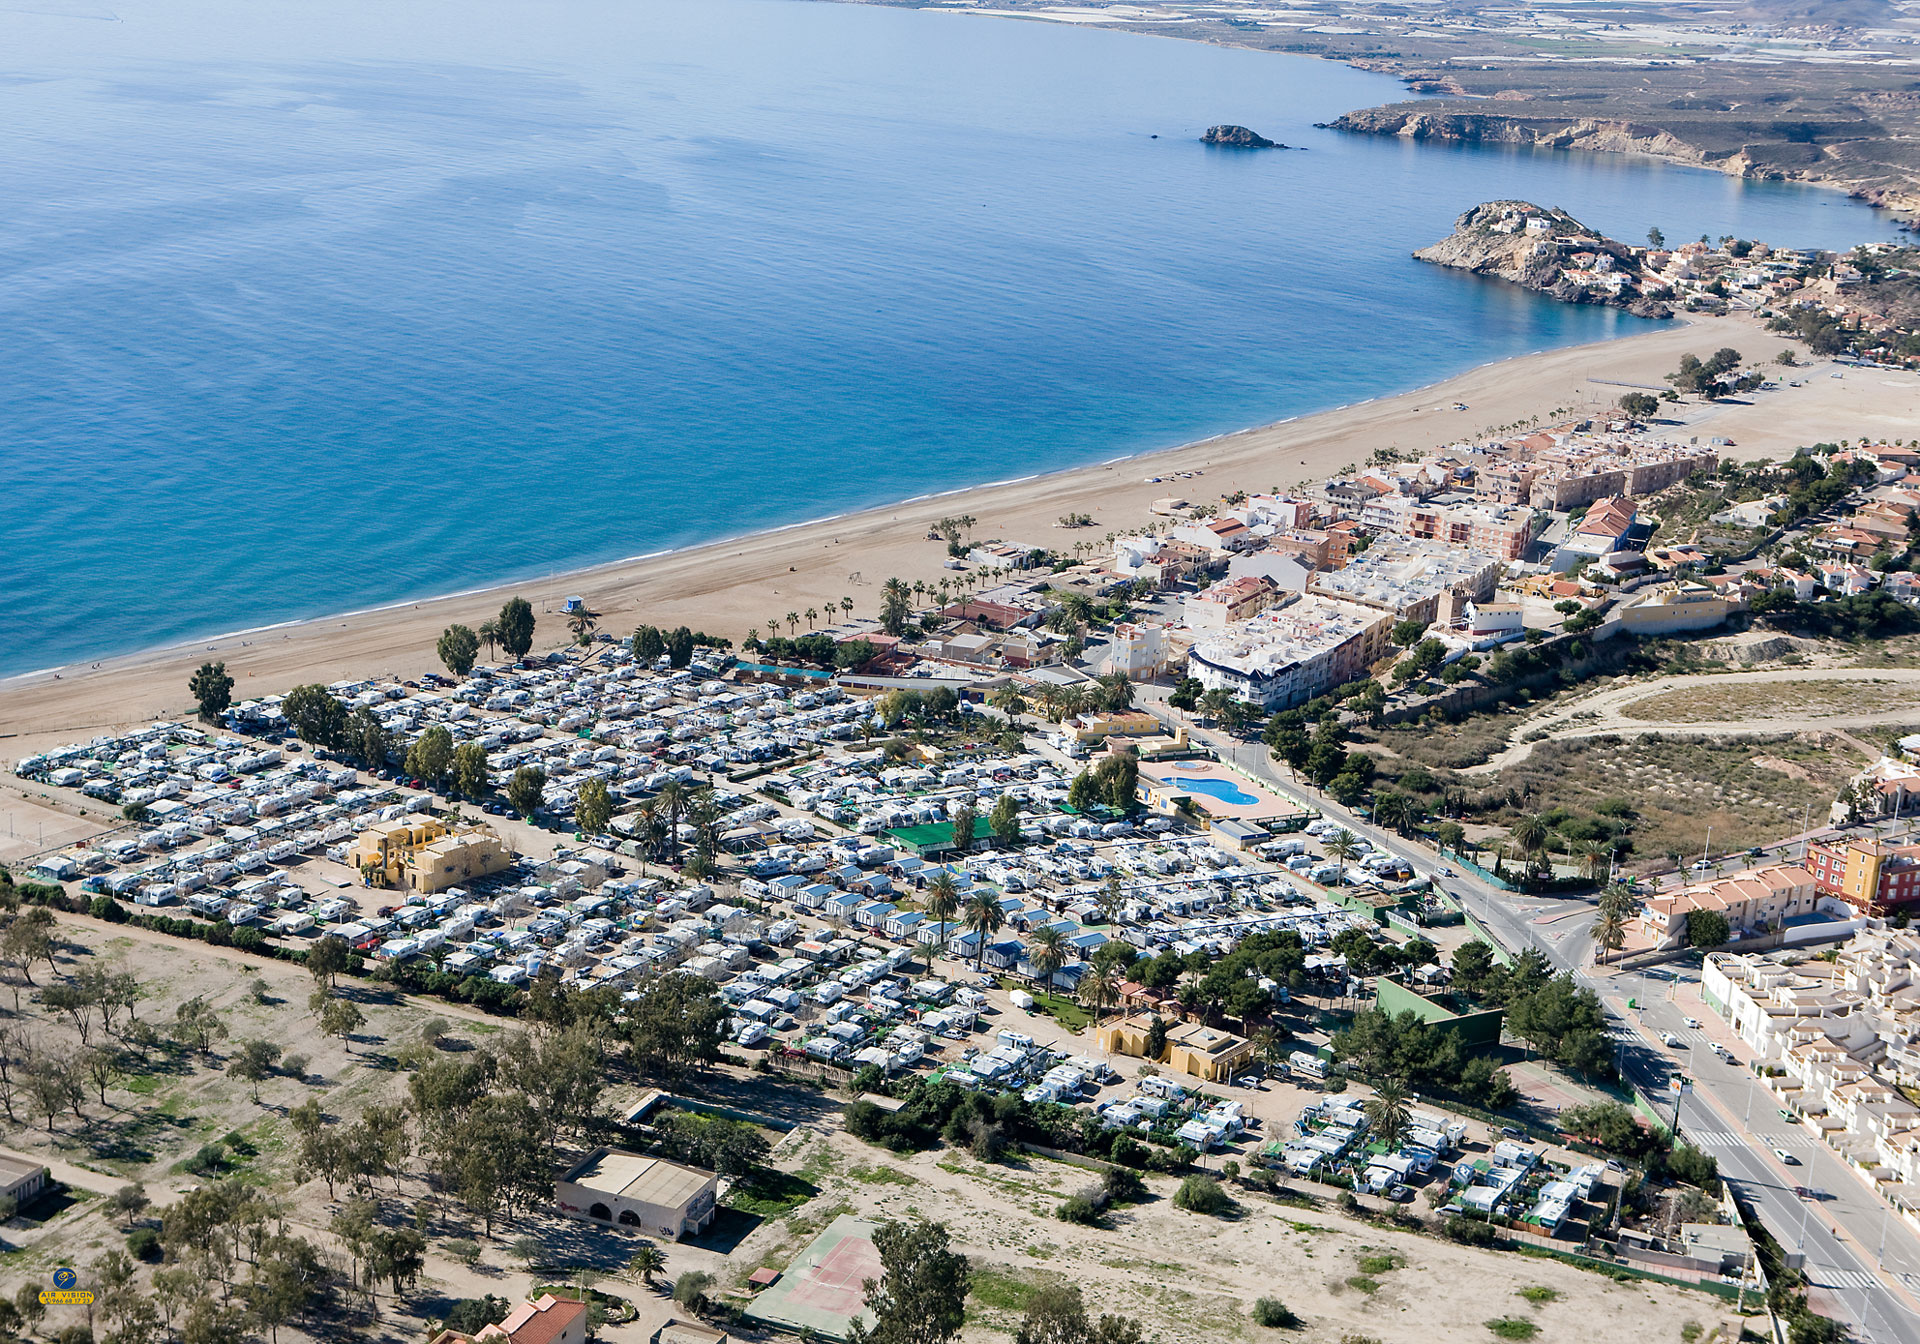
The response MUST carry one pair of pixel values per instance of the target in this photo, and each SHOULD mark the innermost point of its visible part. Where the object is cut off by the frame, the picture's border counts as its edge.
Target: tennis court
(823, 1290)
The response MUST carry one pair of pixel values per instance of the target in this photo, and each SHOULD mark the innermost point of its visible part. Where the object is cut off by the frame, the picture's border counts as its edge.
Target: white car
(1786, 1157)
(1693, 1023)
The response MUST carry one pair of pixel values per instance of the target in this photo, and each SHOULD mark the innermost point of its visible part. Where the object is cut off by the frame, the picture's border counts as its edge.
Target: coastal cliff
(1744, 159)
(1548, 251)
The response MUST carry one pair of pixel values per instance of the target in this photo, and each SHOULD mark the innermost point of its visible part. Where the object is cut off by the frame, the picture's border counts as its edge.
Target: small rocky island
(1548, 251)
(1239, 137)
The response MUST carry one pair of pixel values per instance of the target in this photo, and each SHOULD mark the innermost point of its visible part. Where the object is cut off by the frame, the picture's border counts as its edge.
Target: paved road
(1842, 1266)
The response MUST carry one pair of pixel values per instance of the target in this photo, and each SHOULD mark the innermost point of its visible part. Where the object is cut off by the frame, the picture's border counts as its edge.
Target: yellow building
(1192, 1048)
(425, 855)
(1679, 605)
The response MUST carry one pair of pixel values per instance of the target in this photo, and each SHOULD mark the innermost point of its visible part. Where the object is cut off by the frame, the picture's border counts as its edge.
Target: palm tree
(793, 621)
(985, 918)
(811, 616)
(1099, 989)
(1610, 930)
(846, 605)
(647, 1262)
(773, 627)
(1387, 1112)
(943, 902)
(1047, 953)
(1341, 846)
(1596, 857)
(1530, 832)
(489, 633)
(673, 799)
(1008, 700)
(581, 622)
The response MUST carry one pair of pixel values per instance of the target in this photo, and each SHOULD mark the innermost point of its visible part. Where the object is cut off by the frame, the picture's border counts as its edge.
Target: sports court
(823, 1289)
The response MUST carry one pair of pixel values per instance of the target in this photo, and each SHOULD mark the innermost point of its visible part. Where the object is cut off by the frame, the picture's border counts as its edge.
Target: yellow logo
(66, 1297)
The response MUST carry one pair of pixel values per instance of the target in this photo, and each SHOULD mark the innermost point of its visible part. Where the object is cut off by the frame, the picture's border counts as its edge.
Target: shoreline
(489, 587)
(738, 583)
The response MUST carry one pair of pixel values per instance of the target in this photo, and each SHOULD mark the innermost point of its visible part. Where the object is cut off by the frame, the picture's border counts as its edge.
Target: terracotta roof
(537, 1322)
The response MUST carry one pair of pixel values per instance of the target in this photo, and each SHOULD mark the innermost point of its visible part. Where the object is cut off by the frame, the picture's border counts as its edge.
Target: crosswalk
(1726, 1138)
(1714, 1138)
(1843, 1278)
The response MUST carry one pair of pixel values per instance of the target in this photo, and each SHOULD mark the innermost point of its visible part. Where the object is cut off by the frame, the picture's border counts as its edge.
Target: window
(600, 1211)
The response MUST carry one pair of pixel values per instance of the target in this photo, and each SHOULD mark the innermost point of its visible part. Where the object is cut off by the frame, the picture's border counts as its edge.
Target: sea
(309, 307)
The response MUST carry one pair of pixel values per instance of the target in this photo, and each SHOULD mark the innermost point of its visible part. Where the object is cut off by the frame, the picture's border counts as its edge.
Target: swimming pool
(1225, 790)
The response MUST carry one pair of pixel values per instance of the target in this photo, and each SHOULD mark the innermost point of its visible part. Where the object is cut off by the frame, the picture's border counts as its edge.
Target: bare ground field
(1188, 1278)
(1751, 791)
(1710, 703)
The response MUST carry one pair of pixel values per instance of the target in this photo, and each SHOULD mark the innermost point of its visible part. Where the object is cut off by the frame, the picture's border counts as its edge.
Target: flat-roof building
(647, 1194)
(1287, 655)
(1409, 578)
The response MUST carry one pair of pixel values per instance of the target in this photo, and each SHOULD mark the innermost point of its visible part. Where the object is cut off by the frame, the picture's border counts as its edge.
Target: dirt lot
(1777, 700)
(1192, 1278)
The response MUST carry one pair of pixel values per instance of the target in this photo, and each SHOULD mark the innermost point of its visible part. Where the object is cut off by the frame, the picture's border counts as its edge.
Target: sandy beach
(729, 587)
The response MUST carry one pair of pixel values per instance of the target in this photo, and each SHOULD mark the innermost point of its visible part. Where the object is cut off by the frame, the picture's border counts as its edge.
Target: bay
(315, 307)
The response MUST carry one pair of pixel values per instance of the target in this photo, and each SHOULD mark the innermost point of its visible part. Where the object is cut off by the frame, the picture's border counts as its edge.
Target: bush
(1513, 1327)
(1078, 1209)
(1274, 1314)
(1124, 1186)
(1468, 1231)
(1202, 1194)
(143, 1243)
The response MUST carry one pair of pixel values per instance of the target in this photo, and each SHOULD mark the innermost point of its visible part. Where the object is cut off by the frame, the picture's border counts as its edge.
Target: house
(426, 855)
(1191, 1047)
(1493, 619)
(1603, 530)
(1872, 876)
(1288, 570)
(550, 1320)
(1227, 602)
(648, 1194)
(1759, 898)
(1137, 651)
(677, 1331)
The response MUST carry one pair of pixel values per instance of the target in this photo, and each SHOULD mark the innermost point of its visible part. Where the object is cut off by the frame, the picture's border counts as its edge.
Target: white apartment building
(1287, 655)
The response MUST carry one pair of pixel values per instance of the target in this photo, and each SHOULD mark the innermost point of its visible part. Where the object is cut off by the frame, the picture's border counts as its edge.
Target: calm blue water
(317, 306)
(1225, 790)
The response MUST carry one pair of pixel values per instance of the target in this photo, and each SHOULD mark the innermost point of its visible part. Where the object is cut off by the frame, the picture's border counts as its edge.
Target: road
(1715, 1111)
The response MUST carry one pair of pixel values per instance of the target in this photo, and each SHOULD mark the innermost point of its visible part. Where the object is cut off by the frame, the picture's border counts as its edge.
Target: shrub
(1202, 1194)
(1078, 1209)
(1538, 1296)
(1468, 1231)
(1123, 1185)
(143, 1243)
(1513, 1327)
(1274, 1314)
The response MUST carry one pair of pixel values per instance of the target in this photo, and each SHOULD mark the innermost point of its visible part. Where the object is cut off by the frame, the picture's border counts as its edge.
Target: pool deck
(1263, 803)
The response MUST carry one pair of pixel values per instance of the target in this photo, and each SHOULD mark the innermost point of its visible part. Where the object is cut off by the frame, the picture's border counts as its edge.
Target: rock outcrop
(1238, 137)
(1548, 251)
